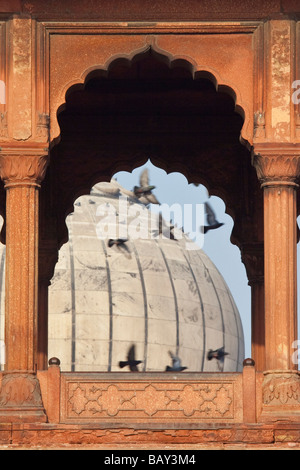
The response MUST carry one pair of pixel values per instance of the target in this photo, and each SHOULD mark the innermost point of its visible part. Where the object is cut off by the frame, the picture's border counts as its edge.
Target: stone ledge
(51, 435)
(107, 436)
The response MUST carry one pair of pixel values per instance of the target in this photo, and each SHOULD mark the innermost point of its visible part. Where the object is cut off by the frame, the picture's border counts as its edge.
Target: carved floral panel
(150, 400)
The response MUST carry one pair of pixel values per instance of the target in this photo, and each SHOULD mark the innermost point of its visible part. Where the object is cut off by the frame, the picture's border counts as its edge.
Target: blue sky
(173, 188)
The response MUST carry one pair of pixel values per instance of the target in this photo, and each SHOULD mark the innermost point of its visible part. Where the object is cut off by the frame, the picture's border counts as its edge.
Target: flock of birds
(144, 194)
(132, 362)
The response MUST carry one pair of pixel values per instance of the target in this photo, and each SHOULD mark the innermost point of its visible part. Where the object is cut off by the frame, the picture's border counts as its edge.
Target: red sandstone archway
(201, 62)
(127, 159)
(80, 159)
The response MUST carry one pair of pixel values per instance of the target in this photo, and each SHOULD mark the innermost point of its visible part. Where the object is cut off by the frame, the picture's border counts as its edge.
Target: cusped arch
(171, 61)
(196, 70)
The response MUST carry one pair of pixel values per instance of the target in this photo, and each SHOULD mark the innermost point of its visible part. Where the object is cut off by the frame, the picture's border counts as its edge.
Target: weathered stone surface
(50, 47)
(20, 398)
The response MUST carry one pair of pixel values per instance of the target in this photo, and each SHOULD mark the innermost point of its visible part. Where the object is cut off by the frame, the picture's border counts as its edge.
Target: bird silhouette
(116, 242)
(144, 191)
(120, 244)
(176, 364)
(131, 361)
(164, 229)
(212, 222)
(218, 354)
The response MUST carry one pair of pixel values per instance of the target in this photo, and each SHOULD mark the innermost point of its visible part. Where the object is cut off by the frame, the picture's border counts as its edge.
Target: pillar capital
(23, 166)
(277, 164)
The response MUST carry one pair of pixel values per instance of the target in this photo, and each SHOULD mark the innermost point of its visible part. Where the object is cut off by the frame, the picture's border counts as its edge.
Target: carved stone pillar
(278, 167)
(22, 169)
(253, 259)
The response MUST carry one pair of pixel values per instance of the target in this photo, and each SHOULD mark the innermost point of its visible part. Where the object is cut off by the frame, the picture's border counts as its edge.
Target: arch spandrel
(230, 67)
(90, 53)
(229, 59)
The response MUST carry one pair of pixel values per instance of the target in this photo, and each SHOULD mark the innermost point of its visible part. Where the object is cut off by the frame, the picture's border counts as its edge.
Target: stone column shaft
(278, 170)
(21, 292)
(280, 274)
(22, 174)
(22, 169)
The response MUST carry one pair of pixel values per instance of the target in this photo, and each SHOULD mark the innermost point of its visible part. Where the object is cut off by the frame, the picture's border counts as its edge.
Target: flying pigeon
(144, 191)
(211, 219)
(131, 361)
(120, 244)
(176, 364)
(218, 354)
(164, 229)
(117, 242)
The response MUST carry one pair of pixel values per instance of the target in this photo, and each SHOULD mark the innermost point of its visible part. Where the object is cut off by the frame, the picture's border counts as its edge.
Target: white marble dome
(158, 293)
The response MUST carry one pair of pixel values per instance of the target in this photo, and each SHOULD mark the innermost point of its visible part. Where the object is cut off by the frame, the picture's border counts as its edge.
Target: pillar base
(21, 399)
(281, 395)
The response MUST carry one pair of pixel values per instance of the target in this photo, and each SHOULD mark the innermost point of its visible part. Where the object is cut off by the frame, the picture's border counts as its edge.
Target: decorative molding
(20, 398)
(277, 163)
(277, 168)
(20, 389)
(145, 400)
(281, 388)
(209, 401)
(259, 84)
(22, 167)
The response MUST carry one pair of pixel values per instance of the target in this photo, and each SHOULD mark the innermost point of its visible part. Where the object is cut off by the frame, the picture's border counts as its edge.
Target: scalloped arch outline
(171, 61)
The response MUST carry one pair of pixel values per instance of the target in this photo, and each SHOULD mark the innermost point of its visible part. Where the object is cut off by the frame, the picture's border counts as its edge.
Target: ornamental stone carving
(277, 168)
(20, 398)
(281, 388)
(162, 400)
(20, 389)
(23, 169)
